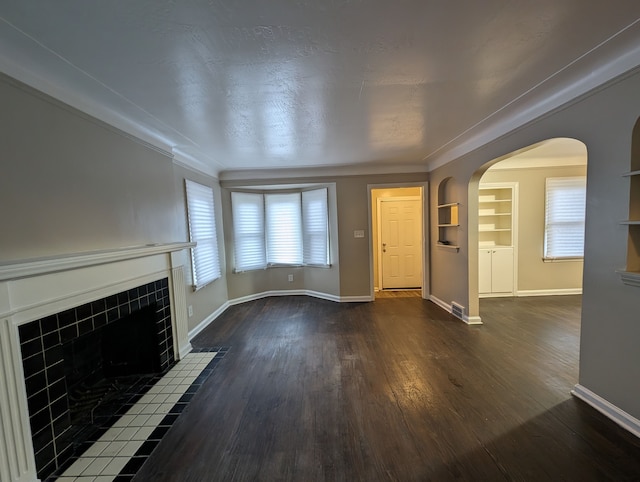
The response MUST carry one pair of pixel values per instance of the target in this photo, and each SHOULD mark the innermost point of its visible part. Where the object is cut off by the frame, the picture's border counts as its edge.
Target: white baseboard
(608, 409)
(265, 294)
(469, 320)
(440, 303)
(208, 320)
(355, 299)
(565, 291)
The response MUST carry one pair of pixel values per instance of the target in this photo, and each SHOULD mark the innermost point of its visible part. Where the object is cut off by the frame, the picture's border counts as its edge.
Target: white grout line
(104, 460)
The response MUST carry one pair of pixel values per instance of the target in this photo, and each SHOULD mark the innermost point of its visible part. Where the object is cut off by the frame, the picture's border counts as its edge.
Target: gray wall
(349, 204)
(69, 183)
(604, 120)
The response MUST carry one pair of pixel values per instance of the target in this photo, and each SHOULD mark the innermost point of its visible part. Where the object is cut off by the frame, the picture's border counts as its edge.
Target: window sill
(289, 266)
(562, 260)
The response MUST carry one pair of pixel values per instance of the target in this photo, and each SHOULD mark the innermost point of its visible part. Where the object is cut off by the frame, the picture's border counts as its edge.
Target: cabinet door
(484, 271)
(502, 270)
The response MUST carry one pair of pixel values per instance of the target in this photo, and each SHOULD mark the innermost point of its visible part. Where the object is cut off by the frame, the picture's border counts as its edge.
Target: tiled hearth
(122, 444)
(42, 341)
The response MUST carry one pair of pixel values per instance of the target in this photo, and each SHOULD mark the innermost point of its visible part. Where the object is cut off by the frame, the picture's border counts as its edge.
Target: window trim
(574, 181)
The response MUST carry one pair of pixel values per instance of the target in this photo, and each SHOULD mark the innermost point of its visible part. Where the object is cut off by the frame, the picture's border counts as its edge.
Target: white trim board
(553, 292)
(469, 320)
(608, 409)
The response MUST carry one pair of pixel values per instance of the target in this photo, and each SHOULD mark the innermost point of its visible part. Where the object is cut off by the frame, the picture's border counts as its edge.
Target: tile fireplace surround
(36, 289)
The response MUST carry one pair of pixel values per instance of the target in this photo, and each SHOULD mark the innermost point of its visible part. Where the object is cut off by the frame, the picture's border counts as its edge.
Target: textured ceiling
(248, 84)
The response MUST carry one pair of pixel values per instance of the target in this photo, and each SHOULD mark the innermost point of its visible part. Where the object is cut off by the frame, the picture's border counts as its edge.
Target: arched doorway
(512, 226)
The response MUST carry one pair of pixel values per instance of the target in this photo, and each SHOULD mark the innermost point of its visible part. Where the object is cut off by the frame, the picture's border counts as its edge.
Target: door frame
(378, 234)
(424, 189)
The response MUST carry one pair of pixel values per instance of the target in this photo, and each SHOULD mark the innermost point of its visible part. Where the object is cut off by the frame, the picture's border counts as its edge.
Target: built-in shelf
(449, 246)
(632, 173)
(630, 278)
(630, 222)
(447, 220)
(495, 214)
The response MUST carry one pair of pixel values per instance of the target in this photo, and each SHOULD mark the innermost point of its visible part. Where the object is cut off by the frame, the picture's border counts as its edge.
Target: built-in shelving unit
(495, 216)
(631, 274)
(496, 239)
(448, 220)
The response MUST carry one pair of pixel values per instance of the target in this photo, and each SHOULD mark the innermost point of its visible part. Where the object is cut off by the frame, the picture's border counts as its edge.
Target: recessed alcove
(448, 220)
(631, 275)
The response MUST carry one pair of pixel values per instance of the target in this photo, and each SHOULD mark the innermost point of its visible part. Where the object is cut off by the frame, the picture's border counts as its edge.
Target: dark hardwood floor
(397, 389)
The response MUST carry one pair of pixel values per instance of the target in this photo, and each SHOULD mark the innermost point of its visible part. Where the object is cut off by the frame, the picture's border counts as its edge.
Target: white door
(401, 237)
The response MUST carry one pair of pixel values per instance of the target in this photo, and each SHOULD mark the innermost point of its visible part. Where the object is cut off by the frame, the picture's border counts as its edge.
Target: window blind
(284, 228)
(248, 230)
(280, 228)
(315, 227)
(205, 260)
(564, 217)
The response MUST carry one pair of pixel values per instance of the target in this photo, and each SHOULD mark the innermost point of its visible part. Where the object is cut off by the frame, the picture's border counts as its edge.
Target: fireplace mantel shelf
(39, 266)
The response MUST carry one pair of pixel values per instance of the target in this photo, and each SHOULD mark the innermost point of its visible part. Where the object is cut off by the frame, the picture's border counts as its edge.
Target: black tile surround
(41, 344)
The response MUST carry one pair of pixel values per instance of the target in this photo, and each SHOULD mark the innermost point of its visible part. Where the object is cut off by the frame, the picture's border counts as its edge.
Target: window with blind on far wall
(205, 260)
(564, 217)
(280, 229)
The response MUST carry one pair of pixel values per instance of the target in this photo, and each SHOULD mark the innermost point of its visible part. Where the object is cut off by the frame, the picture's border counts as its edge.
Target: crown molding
(605, 64)
(321, 171)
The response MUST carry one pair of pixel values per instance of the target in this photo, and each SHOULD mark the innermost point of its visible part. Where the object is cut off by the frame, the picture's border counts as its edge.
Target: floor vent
(457, 310)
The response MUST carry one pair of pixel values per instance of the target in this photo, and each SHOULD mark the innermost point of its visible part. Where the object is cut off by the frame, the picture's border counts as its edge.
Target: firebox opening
(103, 364)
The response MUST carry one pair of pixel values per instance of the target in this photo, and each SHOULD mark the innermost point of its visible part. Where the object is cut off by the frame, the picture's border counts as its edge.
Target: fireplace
(71, 330)
(77, 363)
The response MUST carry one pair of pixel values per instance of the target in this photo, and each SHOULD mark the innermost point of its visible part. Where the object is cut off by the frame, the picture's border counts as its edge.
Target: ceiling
(246, 85)
(558, 152)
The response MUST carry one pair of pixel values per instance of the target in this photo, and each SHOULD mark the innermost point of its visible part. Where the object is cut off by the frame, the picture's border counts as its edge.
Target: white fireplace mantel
(36, 288)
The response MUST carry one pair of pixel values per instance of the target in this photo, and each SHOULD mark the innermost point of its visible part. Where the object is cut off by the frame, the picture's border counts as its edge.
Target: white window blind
(315, 229)
(280, 229)
(205, 261)
(248, 230)
(284, 228)
(564, 217)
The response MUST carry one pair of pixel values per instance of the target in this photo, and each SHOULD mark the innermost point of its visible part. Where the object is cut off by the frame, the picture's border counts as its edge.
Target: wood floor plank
(396, 389)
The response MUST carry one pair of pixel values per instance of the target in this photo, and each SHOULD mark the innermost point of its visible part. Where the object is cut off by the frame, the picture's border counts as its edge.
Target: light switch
(358, 233)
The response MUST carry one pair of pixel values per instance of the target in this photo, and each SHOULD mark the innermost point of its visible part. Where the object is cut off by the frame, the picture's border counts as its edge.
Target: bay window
(280, 229)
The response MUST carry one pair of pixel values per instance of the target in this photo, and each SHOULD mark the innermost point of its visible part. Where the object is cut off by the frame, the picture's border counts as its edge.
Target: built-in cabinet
(496, 215)
(495, 266)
